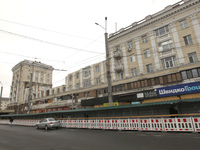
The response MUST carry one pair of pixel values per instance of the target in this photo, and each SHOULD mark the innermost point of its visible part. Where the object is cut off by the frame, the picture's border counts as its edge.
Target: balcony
(119, 67)
(117, 54)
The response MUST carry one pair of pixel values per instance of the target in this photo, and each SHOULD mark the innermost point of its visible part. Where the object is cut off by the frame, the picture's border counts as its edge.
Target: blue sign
(180, 89)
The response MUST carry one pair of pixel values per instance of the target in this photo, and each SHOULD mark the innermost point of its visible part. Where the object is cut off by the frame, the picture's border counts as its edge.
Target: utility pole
(72, 101)
(110, 98)
(30, 91)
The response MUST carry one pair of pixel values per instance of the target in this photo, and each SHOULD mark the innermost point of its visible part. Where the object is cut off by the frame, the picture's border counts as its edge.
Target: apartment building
(3, 103)
(161, 50)
(152, 60)
(24, 73)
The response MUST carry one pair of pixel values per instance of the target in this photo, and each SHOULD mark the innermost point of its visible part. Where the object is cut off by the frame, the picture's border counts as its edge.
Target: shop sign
(134, 103)
(108, 104)
(150, 94)
(179, 89)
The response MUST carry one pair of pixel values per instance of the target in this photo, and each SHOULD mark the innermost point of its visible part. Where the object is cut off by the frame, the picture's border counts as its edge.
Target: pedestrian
(11, 121)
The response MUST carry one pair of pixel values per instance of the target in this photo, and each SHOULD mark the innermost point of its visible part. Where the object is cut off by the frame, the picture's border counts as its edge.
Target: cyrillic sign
(179, 89)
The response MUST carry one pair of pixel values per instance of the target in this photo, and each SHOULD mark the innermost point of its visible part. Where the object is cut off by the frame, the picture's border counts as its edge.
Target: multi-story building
(24, 73)
(160, 50)
(153, 60)
(3, 103)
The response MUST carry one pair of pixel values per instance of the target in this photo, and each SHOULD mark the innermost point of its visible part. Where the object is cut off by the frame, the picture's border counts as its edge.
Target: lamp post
(1, 89)
(107, 64)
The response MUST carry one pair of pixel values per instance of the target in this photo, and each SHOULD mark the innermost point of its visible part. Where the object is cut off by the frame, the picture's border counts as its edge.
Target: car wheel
(46, 128)
(56, 127)
(36, 127)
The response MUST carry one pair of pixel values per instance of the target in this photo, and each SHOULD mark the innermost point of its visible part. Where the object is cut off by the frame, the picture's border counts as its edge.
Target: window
(144, 39)
(86, 72)
(98, 81)
(58, 90)
(130, 44)
(28, 77)
(47, 75)
(193, 57)
(188, 40)
(41, 73)
(120, 88)
(157, 81)
(70, 87)
(85, 94)
(183, 24)
(149, 68)
(167, 45)
(120, 75)
(36, 73)
(119, 61)
(132, 58)
(88, 94)
(134, 72)
(29, 71)
(47, 80)
(162, 31)
(41, 79)
(70, 77)
(36, 78)
(97, 69)
(147, 53)
(77, 86)
(194, 73)
(87, 83)
(117, 48)
(169, 62)
(77, 75)
(188, 74)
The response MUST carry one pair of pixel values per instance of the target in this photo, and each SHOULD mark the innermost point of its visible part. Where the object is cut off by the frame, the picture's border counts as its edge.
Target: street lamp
(1, 90)
(107, 64)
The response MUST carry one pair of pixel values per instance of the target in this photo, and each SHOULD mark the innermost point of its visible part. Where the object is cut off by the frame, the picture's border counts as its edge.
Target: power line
(53, 31)
(46, 42)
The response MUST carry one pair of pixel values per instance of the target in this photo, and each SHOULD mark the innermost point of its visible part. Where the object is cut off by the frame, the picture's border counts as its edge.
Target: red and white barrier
(170, 124)
(151, 124)
(134, 124)
(196, 123)
(157, 124)
(185, 124)
(115, 124)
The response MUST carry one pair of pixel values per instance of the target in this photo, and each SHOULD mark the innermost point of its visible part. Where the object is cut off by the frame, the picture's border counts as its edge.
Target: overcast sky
(62, 33)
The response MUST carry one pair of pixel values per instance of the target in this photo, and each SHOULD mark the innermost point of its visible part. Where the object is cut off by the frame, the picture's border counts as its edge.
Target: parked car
(48, 123)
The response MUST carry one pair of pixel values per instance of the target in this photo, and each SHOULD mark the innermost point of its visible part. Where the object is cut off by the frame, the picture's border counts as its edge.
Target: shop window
(138, 84)
(142, 83)
(174, 78)
(189, 74)
(165, 79)
(149, 83)
(194, 73)
(169, 77)
(128, 86)
(178, 76)
(157, 81)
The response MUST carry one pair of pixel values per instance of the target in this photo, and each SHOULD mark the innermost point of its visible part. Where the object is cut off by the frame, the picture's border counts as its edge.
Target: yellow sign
(108, 105)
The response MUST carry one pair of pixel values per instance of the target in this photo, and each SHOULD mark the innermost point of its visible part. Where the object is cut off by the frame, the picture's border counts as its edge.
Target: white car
(48, 123)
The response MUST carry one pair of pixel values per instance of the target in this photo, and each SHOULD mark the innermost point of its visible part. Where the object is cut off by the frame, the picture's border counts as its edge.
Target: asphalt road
(28, 138)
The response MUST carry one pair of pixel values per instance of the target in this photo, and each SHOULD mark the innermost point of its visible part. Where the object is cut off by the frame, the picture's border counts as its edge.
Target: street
(29, 138)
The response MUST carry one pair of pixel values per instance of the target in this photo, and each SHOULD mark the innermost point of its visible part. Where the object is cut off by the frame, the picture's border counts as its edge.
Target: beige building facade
(160, 51)
(22, 72)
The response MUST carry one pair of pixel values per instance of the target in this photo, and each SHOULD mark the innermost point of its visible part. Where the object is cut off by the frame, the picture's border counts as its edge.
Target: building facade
(24, 73)
(3, 103)
(153, 60)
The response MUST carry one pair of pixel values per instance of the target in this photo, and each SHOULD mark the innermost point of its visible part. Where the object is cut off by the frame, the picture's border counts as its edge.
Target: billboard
(180, 89)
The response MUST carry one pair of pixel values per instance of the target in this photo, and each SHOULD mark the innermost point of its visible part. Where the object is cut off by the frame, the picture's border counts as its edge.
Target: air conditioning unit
(129, 49)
